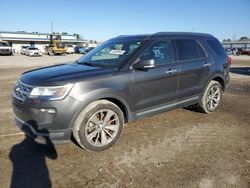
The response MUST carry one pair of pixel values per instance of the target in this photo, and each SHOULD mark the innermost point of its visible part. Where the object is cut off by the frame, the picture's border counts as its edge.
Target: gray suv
(124, 79)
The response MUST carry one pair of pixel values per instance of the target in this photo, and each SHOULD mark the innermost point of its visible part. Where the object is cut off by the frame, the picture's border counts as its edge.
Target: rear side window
(217, 47)
(188, 49)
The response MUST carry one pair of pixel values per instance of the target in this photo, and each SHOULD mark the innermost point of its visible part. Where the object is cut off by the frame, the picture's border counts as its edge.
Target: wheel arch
(117, 100)
(219, 78)
(124, 108)
(221, 81)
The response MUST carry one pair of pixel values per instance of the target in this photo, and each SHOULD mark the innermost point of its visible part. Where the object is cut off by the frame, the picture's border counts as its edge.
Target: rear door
(195, 67)
(156, 86)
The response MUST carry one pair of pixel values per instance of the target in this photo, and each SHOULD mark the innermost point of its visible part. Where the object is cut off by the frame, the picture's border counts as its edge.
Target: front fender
(104, 93)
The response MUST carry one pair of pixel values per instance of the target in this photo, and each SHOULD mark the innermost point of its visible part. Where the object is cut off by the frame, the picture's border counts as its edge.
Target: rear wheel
(211, 97)
(98, 126)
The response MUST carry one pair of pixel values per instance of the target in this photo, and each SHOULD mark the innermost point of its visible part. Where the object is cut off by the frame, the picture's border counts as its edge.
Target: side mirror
(145, 64)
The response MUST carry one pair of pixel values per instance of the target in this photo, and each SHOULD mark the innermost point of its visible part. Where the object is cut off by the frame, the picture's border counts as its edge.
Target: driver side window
(160, 51)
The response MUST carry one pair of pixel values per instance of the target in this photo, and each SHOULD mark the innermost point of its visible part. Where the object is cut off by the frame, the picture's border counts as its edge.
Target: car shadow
(192, 108)
(29, 163)
(240, 70)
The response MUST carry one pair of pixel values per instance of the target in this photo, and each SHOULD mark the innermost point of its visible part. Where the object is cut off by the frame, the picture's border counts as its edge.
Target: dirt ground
(179, 148)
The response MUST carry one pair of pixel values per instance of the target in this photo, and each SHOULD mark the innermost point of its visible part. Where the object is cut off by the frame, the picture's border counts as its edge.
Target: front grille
(22, 91)
(5, 50)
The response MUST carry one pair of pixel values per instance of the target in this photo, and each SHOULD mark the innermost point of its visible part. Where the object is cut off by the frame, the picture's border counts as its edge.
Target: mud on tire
(211, 97)
(98, 126)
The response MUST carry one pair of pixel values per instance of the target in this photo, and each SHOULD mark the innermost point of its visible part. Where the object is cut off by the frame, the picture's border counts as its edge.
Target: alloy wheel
(102, 127)
(213, 97)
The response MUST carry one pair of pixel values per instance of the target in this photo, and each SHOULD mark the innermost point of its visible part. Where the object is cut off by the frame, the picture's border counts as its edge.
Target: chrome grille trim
(22, 91)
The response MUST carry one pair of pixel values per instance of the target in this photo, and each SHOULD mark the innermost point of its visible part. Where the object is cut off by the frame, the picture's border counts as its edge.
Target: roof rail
(181, 33)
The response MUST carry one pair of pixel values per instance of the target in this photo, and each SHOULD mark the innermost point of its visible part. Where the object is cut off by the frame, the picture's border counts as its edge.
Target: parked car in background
(87, 50)
(5, 48)
(122, 80)
(228, 51)
(235, 51)
(245, 51)
(70, 49)
(79, 50)
(23, 49)
(32, 51)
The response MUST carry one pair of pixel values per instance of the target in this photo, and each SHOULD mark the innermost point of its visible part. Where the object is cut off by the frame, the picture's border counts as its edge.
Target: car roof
(165, 34)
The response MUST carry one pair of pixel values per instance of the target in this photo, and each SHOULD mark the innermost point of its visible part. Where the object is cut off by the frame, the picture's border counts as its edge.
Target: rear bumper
(44, 136)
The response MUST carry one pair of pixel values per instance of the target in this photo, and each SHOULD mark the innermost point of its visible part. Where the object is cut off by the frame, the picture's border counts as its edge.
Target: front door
(155, 87)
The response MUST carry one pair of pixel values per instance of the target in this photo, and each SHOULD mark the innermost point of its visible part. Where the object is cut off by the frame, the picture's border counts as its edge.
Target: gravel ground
(180, 148)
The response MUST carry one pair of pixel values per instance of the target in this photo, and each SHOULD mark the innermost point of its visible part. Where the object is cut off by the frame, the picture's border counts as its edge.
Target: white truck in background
(70, 49)
(5, 48)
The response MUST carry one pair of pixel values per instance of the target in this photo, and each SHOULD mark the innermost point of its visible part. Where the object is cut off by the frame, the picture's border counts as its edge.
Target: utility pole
(52, 29)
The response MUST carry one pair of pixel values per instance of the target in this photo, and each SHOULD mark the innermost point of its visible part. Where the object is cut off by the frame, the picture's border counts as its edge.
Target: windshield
(111, 53)
(60, 45)
(33, 48)
(4, 44)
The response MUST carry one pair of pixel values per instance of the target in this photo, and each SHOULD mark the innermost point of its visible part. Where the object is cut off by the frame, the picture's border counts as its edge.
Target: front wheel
(98, 126)
(211, 97)
(51, 53)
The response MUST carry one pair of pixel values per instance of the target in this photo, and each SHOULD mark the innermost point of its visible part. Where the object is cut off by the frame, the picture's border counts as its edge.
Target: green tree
(227, 40)
(77, 36)
(243, 38)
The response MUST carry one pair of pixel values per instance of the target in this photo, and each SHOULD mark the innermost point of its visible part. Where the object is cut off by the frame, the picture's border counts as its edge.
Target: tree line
(240, 39)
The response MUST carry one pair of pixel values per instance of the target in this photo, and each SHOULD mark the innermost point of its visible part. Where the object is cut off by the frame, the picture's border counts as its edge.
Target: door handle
(207, 64)
(171, 71)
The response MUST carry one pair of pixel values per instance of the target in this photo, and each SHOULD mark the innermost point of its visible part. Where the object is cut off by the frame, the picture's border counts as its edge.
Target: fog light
(49, 110)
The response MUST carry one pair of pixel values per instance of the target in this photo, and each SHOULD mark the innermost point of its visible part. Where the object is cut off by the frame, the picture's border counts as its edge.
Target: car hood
(63, 74)
(5, 47)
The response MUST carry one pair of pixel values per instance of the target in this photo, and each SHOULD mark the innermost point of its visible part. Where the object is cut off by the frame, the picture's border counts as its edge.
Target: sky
(104, 19)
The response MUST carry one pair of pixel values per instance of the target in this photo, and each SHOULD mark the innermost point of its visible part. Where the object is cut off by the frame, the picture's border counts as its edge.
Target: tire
(51, 53)
(91, 130)
(211, 97)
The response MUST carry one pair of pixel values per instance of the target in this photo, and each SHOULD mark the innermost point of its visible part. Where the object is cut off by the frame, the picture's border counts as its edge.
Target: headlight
(53, 93)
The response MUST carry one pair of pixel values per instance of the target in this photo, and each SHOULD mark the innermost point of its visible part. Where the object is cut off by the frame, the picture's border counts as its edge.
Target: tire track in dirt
(192, 136)
(154, 155)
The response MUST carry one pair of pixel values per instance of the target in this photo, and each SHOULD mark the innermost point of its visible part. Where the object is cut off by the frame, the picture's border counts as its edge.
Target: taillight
(229, 61)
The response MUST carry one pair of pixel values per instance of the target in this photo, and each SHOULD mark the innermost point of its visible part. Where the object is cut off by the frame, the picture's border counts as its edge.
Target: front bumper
(43, 119)
(43, 136)
(7, 52)
(35, 55)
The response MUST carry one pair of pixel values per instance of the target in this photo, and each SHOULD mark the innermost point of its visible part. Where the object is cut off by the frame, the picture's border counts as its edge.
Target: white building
(245, 44)
(39, 40)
